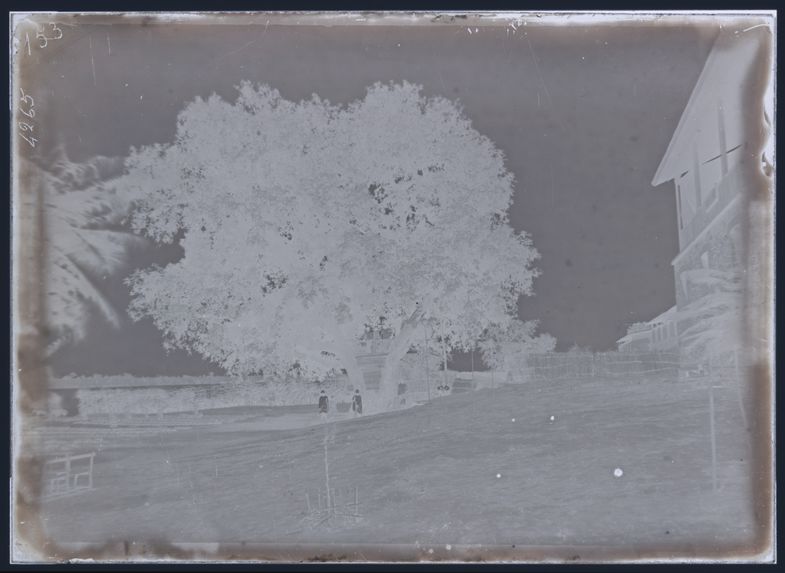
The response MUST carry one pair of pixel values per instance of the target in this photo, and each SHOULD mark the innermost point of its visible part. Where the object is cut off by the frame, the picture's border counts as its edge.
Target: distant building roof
(639, 327)
(641, 330)
(642, 335)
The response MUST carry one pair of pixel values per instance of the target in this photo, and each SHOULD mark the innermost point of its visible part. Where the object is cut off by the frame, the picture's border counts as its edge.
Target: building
(659, 334)
(637, 339)
(711, 165)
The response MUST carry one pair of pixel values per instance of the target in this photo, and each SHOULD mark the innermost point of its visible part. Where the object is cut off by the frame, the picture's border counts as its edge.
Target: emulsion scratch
(250, 42)
(542, 82)
(92, 59)
(441, 80)
(237, 50)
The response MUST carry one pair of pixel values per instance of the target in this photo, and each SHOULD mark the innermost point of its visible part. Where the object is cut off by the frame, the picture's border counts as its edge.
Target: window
(734, 156)
(735, 245)
(678, 205)
(685, 289)
(697, 174)
(723, 142)
(711, 176)
(687, 190)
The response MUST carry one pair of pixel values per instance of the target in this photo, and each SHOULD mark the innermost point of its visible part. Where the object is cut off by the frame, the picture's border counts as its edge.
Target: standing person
(357, 403)
(324, 405)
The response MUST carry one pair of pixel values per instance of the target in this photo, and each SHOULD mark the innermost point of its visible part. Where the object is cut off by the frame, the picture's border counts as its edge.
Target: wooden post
(713, 437)
(444, 356)
(326, 469)
(425, 354)
(356, 502)
(68, 473)
(90, 473)
(739, 387)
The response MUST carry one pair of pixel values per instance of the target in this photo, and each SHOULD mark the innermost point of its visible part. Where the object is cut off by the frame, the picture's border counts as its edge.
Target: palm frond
(84, 239)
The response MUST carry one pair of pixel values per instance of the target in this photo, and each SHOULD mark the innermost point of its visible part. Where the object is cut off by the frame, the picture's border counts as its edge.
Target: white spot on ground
(430, 551)
(513, 419)
(448, 547)
(498, 476)
(552, 418)
(618, 472)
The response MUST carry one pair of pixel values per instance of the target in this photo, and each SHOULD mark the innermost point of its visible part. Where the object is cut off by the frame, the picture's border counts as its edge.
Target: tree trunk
(390, 371)
(347, 354)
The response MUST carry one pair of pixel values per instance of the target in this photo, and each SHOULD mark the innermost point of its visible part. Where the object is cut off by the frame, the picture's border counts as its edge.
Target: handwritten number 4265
(24, 127)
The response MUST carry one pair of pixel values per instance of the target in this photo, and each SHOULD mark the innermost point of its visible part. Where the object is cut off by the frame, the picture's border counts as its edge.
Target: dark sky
(584, 115)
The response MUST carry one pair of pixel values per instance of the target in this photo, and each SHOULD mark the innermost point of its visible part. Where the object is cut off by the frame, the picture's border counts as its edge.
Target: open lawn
(512, 467)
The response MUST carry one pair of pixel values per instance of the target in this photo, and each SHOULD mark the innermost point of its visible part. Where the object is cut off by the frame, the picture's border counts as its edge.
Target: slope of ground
(518, 465)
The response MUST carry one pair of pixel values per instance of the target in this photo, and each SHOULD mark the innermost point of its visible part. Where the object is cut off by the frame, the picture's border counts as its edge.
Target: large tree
(303, 223)
(508, 348)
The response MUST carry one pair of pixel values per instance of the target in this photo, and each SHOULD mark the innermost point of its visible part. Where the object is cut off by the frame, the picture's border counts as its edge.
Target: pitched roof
(722, 82)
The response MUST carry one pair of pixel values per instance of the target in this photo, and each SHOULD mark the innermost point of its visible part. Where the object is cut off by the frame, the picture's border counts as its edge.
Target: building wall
(711, 165)
(665, 336)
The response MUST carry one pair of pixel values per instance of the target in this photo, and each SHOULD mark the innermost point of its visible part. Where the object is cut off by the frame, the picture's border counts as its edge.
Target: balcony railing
(716, 200)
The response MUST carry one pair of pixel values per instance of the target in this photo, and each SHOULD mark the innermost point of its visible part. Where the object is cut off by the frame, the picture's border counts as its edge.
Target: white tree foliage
(507, 348)
(304, 222)
(83, 240)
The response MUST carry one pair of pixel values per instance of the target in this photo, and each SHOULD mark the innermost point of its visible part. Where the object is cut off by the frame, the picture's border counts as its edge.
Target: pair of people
(324, 404)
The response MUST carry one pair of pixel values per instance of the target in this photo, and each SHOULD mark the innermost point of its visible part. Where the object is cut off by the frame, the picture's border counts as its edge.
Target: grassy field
(517, 466)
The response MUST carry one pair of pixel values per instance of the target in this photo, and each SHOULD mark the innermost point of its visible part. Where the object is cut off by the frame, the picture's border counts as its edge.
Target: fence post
(425, 354)
(444, 356)
(326, 469)
(90, 473)
(713, 437)
(739, 386)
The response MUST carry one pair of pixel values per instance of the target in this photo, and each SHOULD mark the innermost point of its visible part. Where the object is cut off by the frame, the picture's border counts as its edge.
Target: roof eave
(662, 175)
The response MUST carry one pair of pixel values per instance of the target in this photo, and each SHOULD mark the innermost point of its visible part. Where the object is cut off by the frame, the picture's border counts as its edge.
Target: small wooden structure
(334, 503)
(68, 475)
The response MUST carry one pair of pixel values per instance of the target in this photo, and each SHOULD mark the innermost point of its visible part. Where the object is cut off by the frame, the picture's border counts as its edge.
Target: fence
(575, 365)
(68, 475)
(335, 502)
